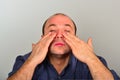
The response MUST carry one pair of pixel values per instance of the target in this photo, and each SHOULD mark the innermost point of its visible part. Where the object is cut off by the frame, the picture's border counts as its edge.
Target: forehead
(59, 20)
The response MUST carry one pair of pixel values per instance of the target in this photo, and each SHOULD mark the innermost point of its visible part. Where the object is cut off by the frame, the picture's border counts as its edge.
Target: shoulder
(102, 60)
(23, 57)
(18, 63)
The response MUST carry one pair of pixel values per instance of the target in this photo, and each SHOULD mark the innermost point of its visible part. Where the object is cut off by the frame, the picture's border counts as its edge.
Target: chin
(56, 52)
(59, 54)
(59, 50)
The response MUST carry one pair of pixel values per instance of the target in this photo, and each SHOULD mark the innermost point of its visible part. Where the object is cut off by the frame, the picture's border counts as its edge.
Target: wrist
(31, 62)
(92, 60)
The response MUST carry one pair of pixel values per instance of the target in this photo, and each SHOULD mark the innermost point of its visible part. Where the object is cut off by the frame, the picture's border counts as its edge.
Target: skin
(57, 41)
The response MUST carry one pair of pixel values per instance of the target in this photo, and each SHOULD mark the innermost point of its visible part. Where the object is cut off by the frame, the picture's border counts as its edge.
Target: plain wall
(21, 22)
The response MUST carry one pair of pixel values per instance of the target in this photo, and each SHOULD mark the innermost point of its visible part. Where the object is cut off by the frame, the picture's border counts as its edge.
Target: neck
(59, 61)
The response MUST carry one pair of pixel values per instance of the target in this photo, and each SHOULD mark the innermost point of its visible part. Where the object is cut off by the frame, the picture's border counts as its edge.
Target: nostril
(59, 36)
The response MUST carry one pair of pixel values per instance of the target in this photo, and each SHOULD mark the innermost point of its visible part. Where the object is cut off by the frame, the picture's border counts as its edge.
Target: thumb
(33, 45)
(90, 42)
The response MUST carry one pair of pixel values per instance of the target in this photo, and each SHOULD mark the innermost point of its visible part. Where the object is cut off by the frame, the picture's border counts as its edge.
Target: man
(61, 55)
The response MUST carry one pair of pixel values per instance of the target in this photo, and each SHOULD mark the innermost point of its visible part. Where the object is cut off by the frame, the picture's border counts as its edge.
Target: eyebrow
(51, 25)
(64, 24)
(68, 25)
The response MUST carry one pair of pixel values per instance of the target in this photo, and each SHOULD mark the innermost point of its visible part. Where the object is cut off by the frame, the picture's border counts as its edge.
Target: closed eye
(67, 30)
(52, 31)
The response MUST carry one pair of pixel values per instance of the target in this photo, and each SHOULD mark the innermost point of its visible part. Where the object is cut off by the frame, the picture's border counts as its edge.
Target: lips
(59, 44)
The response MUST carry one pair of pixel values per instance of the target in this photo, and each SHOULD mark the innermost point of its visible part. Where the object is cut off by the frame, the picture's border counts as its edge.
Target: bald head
(58, 14)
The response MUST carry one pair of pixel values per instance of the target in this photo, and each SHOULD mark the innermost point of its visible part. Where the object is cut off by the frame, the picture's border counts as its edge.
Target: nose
(59, 34)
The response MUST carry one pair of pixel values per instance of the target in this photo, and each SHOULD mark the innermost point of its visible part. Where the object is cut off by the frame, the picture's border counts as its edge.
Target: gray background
(21, 22)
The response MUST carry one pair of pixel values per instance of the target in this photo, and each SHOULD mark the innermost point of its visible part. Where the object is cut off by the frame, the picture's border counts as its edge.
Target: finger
(46, 35)
(48, 39)
(70, 40)
(43, 36)
(69, 36)
(66, 38)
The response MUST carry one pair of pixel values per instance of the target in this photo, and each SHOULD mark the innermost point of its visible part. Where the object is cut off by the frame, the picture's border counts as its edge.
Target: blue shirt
(74, 70)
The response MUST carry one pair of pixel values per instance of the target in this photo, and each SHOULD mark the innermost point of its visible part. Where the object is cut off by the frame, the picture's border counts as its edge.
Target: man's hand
(40, 49)
(38, 54)
(82, 51)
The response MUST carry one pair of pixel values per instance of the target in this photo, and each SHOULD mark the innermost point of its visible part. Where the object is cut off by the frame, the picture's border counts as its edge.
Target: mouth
(59, 44)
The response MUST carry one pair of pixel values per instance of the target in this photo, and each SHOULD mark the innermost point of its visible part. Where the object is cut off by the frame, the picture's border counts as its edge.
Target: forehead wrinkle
(55, 25)
(58, 17)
